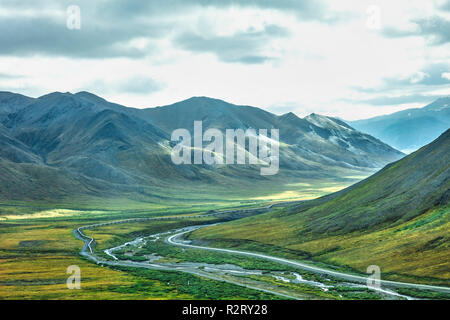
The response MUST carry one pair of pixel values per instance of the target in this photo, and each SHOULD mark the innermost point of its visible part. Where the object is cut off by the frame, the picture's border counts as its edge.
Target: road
(87, 251)
(88, 241)
(173, 240)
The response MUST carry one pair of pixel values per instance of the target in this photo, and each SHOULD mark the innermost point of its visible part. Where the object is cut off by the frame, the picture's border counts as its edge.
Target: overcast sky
(348, 58)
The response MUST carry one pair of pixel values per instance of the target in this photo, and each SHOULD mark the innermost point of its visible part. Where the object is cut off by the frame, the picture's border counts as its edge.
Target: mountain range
(409, 129)
(71, 144)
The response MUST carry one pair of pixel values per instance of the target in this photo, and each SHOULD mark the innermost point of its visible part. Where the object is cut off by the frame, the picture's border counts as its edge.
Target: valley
(282, 277)
(397, 219)
(90, 183)
(51, 240)
(37, 245)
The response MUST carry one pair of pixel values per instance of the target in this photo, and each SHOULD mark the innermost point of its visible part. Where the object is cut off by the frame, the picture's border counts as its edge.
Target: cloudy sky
(348, 58)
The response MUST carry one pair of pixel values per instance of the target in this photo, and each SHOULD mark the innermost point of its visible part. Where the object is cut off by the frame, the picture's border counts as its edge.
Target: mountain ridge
(93, 140)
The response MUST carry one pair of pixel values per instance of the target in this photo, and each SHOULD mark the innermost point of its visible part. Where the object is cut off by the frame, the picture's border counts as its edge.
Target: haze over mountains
(63, 143)
(409, 129)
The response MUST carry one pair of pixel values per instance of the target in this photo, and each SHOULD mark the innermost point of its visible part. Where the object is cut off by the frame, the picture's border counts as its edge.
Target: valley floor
(282, 277)
(37, 247)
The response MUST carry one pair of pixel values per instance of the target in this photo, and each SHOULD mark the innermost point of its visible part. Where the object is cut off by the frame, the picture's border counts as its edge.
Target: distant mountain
(92, 146)
(409, 129)
(397, 219)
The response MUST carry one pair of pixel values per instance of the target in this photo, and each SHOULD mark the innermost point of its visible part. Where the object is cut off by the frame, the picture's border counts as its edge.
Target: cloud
(247, 47)
(417, 87)
(305, 10)
(242, 45)
(8, 76)
(444, 5)
(109, 28)
(432, 75)
(25, 36)
(394, 100)
(129, 9)
(435, 29)
(140, 85)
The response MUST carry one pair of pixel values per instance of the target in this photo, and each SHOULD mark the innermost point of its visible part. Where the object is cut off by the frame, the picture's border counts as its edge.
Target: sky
(352, 59)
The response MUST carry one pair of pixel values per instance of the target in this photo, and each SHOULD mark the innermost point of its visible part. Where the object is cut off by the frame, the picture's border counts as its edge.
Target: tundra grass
(110, 236)
(34, 259)
(35, 254)
(37, 244)
(180, 198)
(413, 251)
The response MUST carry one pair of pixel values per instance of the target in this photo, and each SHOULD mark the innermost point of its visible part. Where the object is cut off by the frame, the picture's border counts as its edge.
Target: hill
(397, 219)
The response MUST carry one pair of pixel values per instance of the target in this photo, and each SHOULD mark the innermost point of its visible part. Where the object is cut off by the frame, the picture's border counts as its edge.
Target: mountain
(12, 102)
(398, 219)
(92, 146)
(409, 129)
(315, 139)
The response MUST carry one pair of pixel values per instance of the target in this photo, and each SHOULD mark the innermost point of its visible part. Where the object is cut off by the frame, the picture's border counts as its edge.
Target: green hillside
(397, 219)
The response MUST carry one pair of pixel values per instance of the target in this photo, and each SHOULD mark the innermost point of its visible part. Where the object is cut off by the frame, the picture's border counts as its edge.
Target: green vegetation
(176, 254)
(35, 254)
(189, 285)
(397, 219)
(171, 254)
(423, 294)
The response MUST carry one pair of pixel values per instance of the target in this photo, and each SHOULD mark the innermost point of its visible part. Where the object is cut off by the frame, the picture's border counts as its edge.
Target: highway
(88, 252)
(173, 240)
(89, 241)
